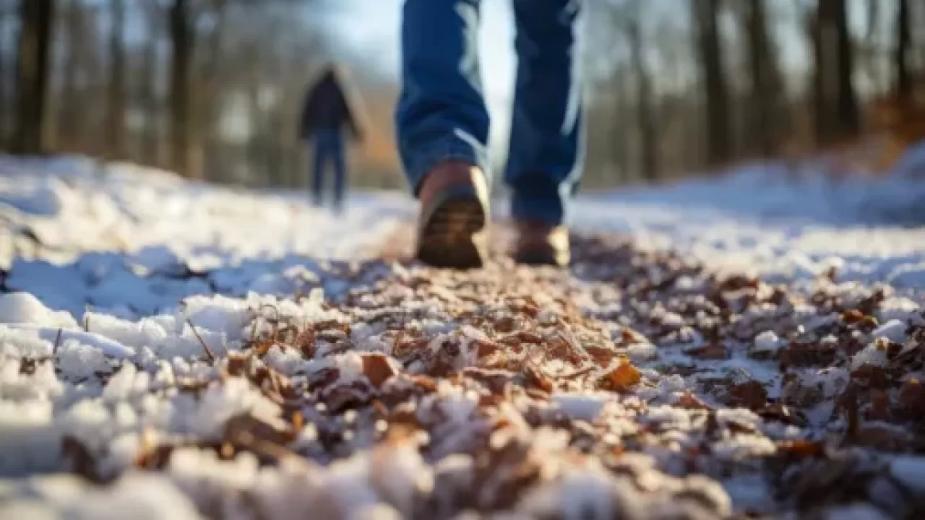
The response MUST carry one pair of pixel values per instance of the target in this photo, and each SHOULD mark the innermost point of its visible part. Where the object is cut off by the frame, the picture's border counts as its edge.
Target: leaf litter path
(637, 384)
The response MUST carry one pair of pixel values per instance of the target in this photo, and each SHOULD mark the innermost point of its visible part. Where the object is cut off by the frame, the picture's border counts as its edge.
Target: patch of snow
(910, 471)
(25, 308)
(873, 354)
(639, 352)
(767, 341)
(586, 407)
(855, 512)
(893, 330)
(899, 308)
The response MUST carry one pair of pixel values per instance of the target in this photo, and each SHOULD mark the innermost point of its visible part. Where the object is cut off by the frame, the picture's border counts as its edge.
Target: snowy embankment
(784, 222)
(134, 241)
(192, 349)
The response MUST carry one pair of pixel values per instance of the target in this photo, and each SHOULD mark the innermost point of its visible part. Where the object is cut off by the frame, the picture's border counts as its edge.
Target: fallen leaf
(621, 378)
(711, 351)
(377, 369)
(912, 397)
(536, 379)
(852, 316)
(486, 348)
(806, 354)
(879, 405)
(750, 394)
(801, 448)
(871, 376)
(602, 356)
(691, 402)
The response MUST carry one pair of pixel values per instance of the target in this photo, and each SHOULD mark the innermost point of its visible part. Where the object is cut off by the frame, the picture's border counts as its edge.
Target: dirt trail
(635, 384)
(639, 382)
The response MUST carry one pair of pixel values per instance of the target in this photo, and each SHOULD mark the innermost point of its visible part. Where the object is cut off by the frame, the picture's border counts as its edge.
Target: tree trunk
(765, 82)
(873, 17)
(719, 144)
(208, 111)
(849, 113)
(151, 138)
(836, 105)
(69, 134)
(115, 116)
(4, 102)
(32, 75)
(901, 57)
(618, 124)
(644, 113)
(182, 41)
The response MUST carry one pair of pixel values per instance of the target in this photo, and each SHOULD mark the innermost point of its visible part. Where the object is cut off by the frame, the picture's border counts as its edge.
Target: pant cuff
(451, 149)
(539, 203)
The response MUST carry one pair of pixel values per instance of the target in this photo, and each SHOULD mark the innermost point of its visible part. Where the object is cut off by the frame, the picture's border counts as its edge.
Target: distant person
(443, 124)
(326, 116)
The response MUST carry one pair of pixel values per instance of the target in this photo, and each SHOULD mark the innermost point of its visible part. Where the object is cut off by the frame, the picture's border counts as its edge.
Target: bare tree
(719, 138)
(645, 116)
(623, 112)
(835, 99)
(3, 72)
(765, 94)
(32, 75)
(70, 105)
(149, 82)
(901, 55)
(116, 98)
(182, 40)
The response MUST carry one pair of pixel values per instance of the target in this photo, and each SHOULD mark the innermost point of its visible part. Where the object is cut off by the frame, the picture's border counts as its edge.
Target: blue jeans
(441, 113)
(329, 149)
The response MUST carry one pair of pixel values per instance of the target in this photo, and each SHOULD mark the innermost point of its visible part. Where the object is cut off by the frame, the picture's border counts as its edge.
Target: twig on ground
(205, 347)
(54, 349)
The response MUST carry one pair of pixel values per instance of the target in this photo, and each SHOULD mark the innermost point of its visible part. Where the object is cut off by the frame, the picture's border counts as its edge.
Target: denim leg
(441, 114)
(340, 170)
(319, 158)
(544, 163)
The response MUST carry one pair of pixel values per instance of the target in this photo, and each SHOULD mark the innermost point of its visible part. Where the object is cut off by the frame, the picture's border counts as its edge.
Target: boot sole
(453, 235)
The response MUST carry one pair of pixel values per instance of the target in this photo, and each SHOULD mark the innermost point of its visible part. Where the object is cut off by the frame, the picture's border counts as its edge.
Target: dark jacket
(327, 108)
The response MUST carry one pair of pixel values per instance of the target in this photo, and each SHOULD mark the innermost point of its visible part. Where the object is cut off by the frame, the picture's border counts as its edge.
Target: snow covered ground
(126, 240)
(134, 241)
(206, 350)
(784, 222)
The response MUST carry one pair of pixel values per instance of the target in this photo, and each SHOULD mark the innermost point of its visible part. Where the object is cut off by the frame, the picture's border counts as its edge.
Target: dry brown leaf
(536, 379)
(621, 378)
(852, 316)
(486, 348)
(801, 448)
(712, 351)
(602, 356)
(871, 376)
(879, 405)
(750, 394)
(691, 402)
(912, 397)
(377, 369)
(806, 354)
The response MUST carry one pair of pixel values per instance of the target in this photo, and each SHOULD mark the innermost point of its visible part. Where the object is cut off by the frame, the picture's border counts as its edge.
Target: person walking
(326, 116)
(443, 124)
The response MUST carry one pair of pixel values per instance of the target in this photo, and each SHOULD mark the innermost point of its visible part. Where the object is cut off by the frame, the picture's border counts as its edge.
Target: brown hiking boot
(454, 211)
(539, 243)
